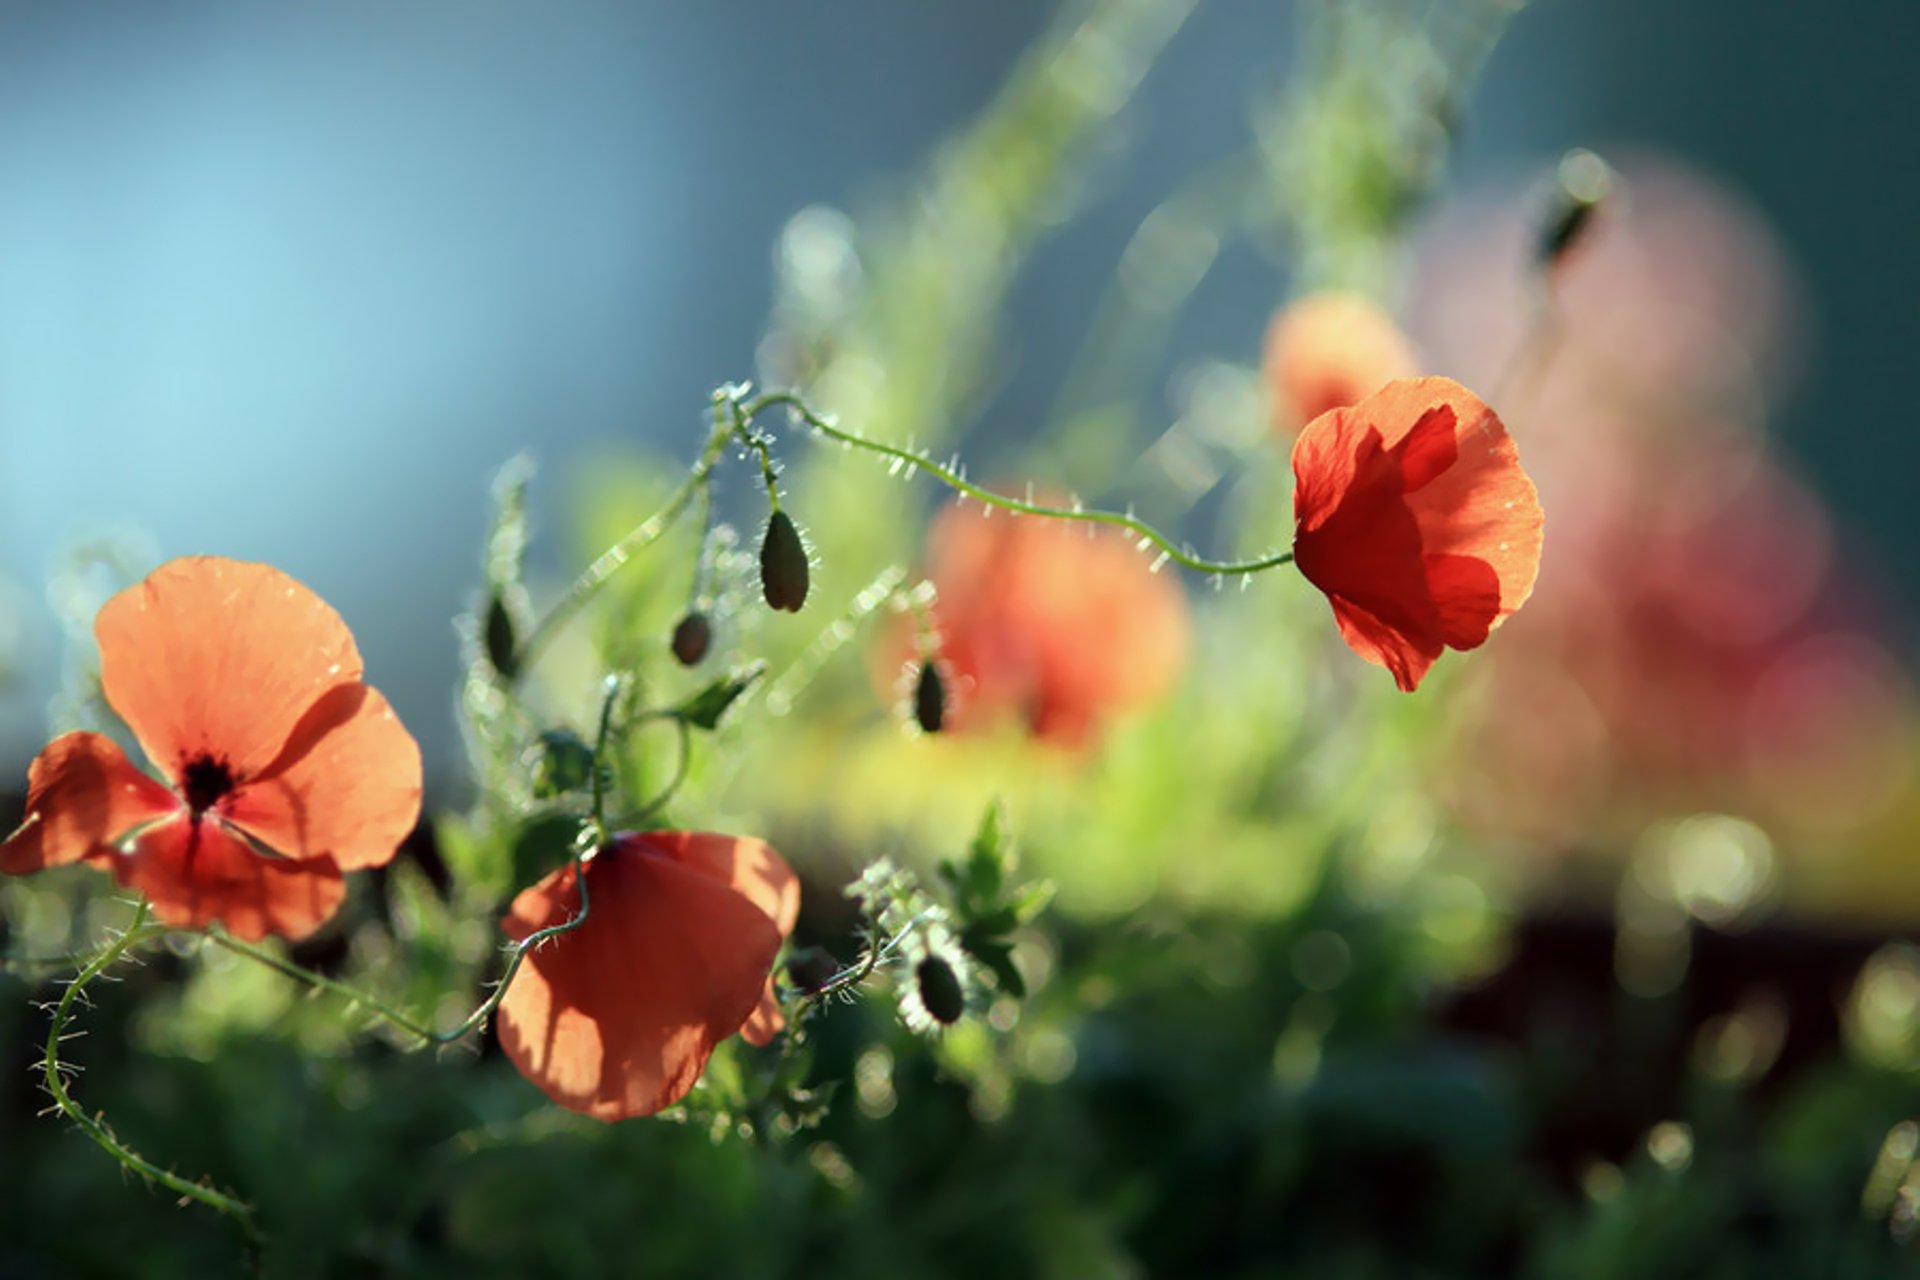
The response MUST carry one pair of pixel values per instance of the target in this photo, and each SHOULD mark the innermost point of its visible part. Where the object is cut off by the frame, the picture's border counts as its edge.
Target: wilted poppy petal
(219, 658)
(346, 786)
(83, 794)
(760, 875)
(196, 873)
(619, 1017)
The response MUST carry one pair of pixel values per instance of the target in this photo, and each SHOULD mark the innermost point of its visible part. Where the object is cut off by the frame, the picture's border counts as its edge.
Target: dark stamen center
(204, 781)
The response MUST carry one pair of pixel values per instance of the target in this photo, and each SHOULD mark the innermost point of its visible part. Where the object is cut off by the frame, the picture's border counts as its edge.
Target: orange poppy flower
(243, 688)
(1412, 513)
(1041, 621)
(618, 1018)
(1330, 351)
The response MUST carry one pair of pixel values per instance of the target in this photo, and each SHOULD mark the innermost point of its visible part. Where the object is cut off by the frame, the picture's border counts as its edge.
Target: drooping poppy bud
(692, 638)
(783, 565)
(501, 642)
(1583, 184)
(940, 990)
(930, 698)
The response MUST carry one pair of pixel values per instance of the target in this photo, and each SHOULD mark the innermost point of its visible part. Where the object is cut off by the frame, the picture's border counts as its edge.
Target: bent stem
(54, 1077)
(745, 411)
(413, 1026)
(614, 558)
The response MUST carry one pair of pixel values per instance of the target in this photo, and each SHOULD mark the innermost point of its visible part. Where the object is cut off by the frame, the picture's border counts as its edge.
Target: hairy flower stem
(745, 411)
(412, 1026)
(614, 558)
(54, 1076)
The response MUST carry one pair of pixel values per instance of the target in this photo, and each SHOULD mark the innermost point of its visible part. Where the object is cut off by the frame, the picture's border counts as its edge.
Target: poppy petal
(755, 871)
(760, 875)
(1407, 654)
(1414, 516)
(345, 787)
(618, 1018)
(221, 658)
(83, 795)
(748, 866)
(196, 873)
(1466, 596)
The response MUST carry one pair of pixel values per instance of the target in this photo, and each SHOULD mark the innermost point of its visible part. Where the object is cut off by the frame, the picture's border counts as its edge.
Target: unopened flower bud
(499, 638)
(940, 990)
(1583, 185)
(692, 638)
(930, 698)
(783, 565)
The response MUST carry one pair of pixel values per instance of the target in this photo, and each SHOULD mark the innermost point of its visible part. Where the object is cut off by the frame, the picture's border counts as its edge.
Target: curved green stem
(1149, 536)
(683, 757)
(614, 558)
(94, 1127)
(412, 1026)
(300, 973)
(862, 969)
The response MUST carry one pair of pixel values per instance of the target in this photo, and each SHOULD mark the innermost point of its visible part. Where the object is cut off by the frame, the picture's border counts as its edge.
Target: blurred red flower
(1329, 351)
(1413, 514)
(618, 1017)
(1051, 622)
(1702, 641)
(243, 688)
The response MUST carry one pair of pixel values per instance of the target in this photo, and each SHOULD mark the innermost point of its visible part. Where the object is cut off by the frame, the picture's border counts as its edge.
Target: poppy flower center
(204, 781)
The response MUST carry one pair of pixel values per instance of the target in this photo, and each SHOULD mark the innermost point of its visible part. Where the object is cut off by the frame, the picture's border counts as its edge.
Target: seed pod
(930, 698)
(783, 565)
(692, 638)
(499, 638)
(940, 990)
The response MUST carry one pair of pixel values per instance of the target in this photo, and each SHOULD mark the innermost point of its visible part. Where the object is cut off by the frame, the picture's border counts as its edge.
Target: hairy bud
(940, 990)
(783, 565)
(498, 636)
(930, 698)
(692, 638)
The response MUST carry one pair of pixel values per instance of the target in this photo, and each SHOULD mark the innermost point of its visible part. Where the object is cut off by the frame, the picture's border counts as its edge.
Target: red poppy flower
(1329, 351)
(1412, 513)
(243, 688)
(618, 1018)
(1041, 621)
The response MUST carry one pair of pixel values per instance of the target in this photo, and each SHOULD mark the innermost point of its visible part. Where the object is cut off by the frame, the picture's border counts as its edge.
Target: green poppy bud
(783, 565)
